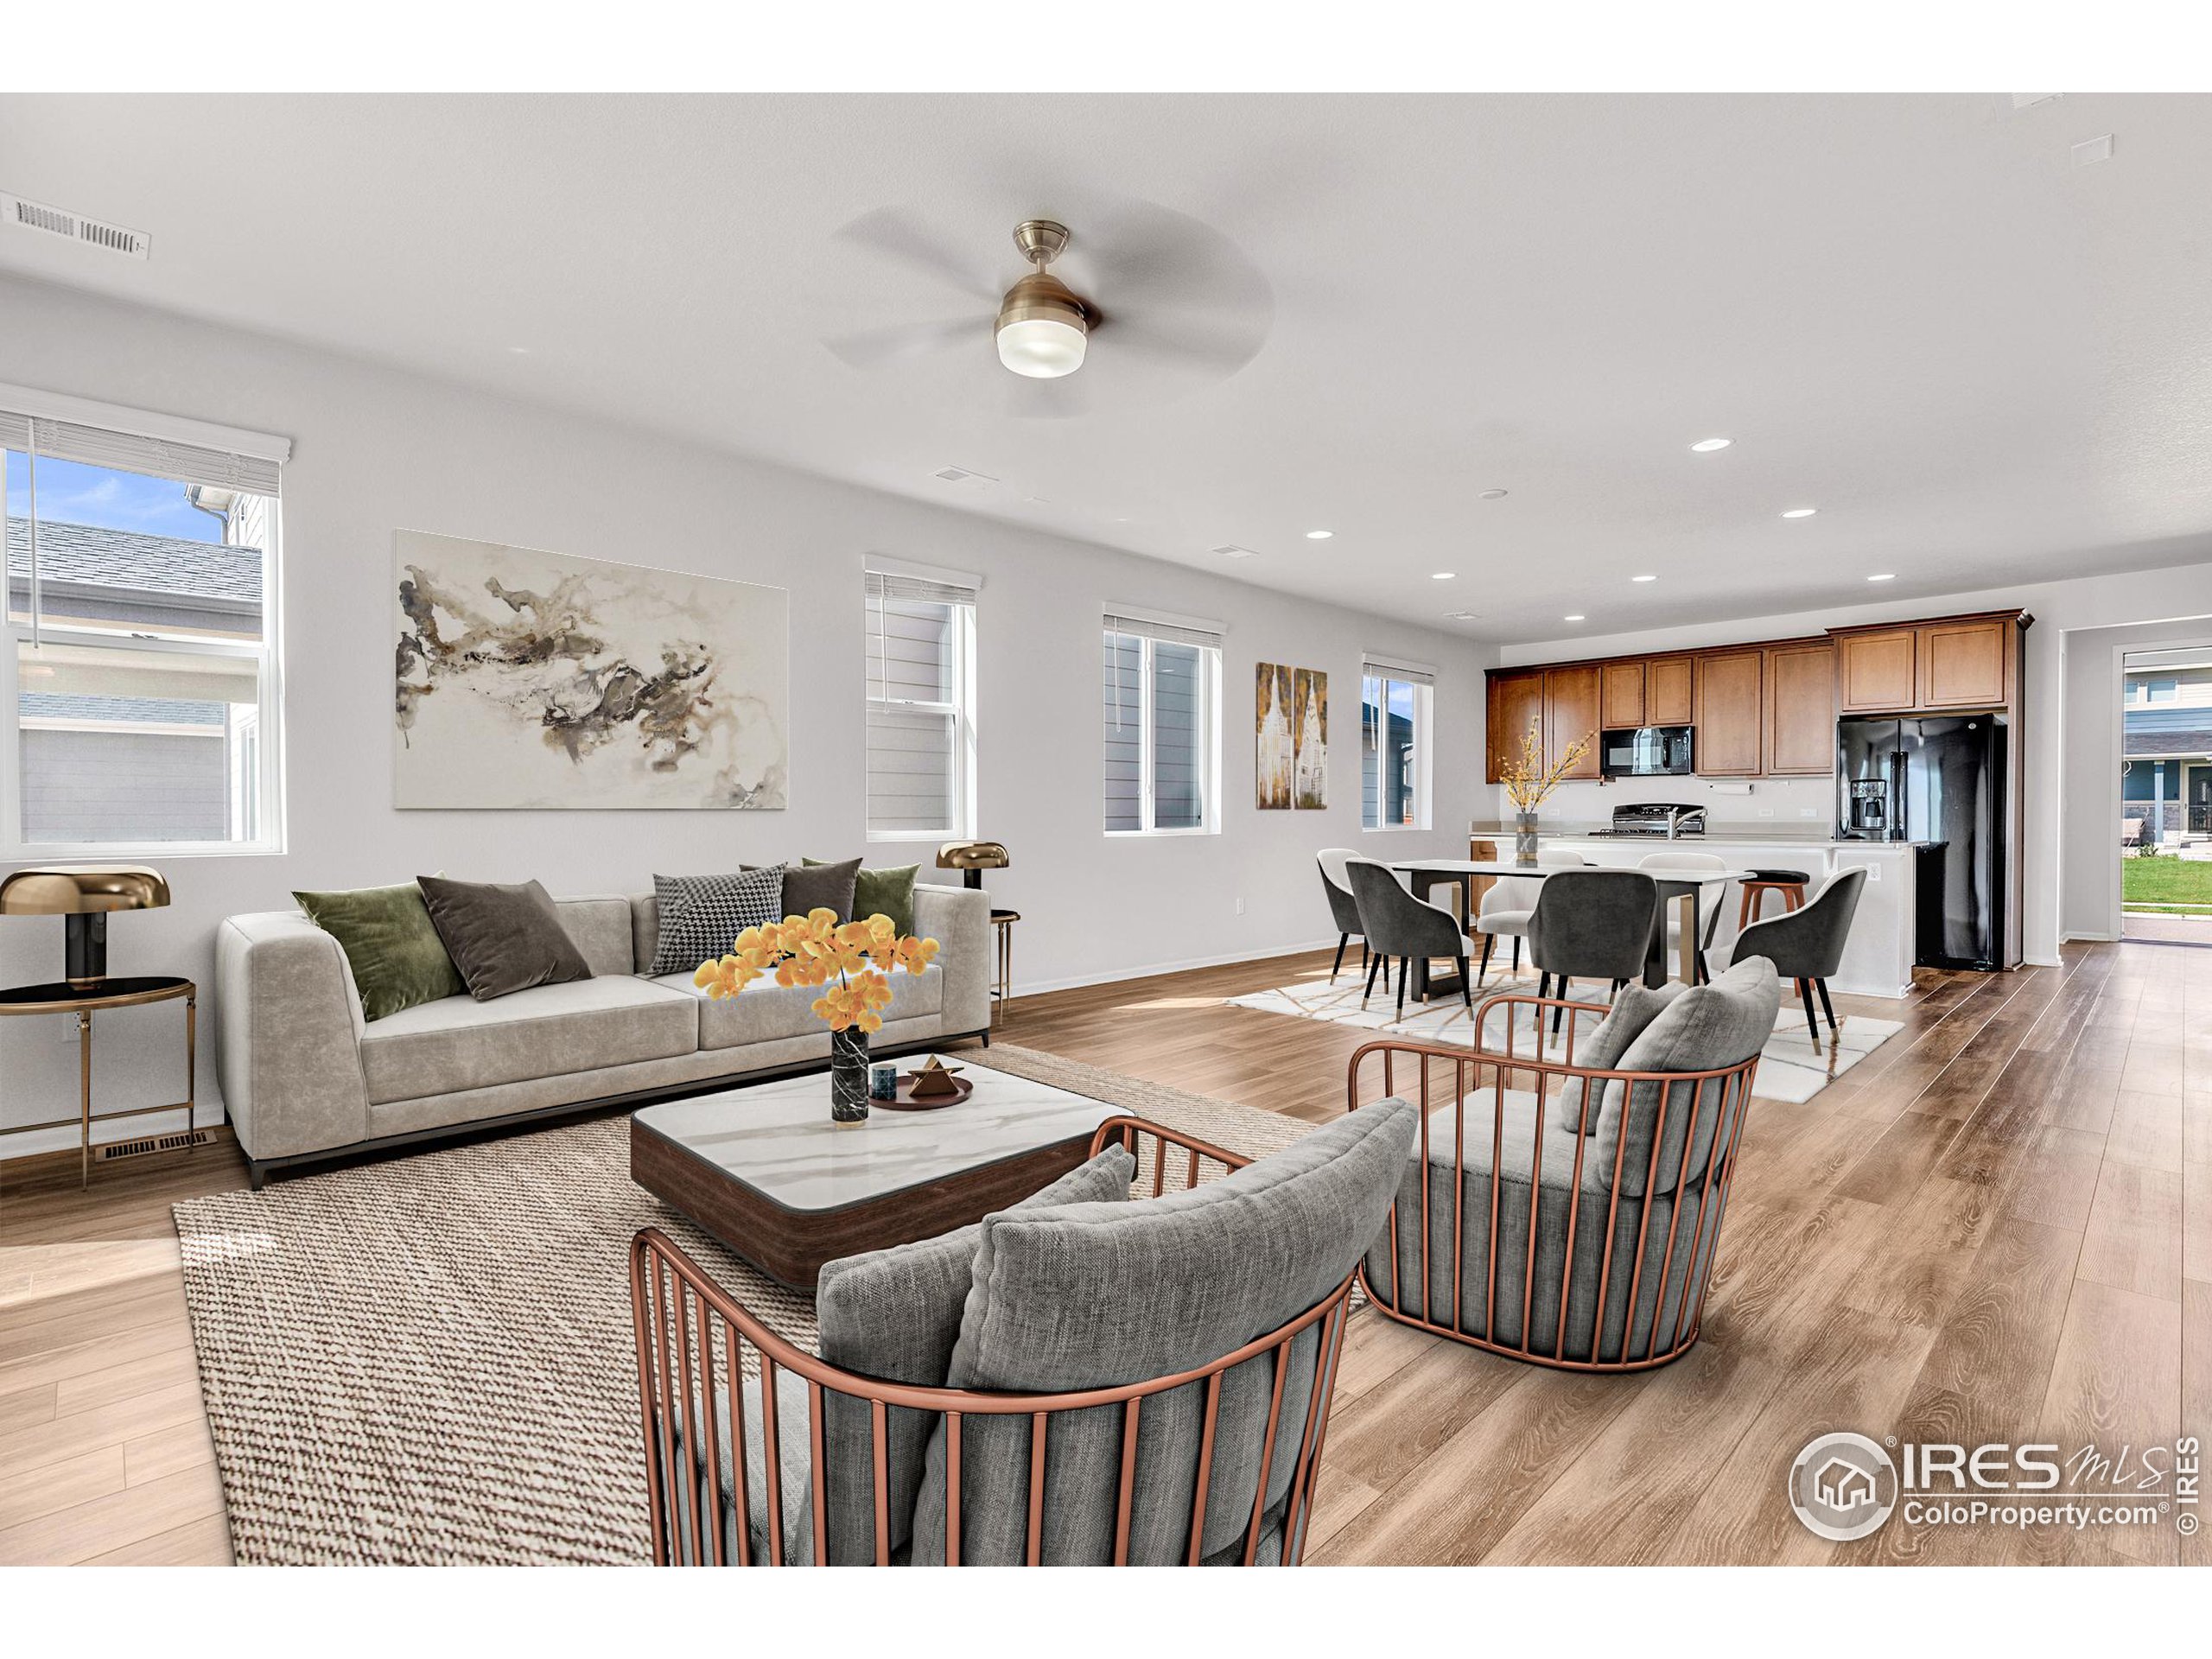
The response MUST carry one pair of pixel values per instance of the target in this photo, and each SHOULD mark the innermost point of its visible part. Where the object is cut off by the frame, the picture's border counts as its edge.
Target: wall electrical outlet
(1808, 812)
(1240, 905)
(1766, 811)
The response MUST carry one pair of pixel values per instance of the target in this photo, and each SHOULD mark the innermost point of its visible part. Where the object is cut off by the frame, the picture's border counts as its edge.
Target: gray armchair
(1593, 925)
(1807, 945)
(1398, 925)
(1511, 900)
(1343, 909)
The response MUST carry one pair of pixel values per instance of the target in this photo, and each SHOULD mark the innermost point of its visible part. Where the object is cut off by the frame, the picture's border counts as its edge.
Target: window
(1162, 682)
(1393, 745)
(921, 706)
(142, 561)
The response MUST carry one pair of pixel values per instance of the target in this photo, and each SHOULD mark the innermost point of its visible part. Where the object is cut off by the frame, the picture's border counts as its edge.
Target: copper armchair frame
(692, 1335)
(1726, 1091)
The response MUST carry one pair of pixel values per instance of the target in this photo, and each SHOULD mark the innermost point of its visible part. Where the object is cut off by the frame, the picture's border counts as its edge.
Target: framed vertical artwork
(1309, 764)
(1271, 731)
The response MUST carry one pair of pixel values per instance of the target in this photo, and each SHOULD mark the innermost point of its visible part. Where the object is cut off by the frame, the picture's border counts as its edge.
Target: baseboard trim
(1076, 982)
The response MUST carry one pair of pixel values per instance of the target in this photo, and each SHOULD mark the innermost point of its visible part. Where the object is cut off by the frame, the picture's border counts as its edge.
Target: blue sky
(94, 495)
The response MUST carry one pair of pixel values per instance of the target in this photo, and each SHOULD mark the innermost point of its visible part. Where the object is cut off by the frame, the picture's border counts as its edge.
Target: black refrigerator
(1936, 781)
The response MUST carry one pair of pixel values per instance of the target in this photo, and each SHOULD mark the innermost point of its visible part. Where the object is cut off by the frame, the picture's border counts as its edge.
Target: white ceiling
(1980, 361)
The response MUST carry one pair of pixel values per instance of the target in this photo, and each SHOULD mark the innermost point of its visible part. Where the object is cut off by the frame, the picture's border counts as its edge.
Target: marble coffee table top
(778, 1139)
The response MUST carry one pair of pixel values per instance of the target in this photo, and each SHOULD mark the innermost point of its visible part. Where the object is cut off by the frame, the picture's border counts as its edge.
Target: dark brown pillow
(813, 887)
(502, 938)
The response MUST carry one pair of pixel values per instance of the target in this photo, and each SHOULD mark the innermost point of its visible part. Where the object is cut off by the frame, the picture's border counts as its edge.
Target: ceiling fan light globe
(1042, 348)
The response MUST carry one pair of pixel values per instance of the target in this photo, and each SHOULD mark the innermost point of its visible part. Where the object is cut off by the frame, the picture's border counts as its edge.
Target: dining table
(1684, 887)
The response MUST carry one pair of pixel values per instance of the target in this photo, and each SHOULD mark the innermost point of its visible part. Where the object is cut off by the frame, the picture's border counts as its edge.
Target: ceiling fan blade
(873, 348)
(1223, 348)
(887, 230)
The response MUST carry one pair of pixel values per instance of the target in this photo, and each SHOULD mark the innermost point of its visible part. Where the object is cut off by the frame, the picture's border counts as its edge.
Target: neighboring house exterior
(2166, 723)
(124, 744)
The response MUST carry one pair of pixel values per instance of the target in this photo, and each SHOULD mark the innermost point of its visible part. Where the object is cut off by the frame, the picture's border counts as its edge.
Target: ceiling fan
(1186, 306)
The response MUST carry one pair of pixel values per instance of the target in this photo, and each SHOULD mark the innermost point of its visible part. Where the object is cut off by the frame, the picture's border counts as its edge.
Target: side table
(60, 997)
(1002, 923)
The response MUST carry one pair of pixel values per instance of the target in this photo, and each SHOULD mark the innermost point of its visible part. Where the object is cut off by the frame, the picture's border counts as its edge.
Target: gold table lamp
(83, 896)
(972, 858)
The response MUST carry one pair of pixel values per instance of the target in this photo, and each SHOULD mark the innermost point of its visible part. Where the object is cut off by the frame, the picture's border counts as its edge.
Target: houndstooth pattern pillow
(701, 916)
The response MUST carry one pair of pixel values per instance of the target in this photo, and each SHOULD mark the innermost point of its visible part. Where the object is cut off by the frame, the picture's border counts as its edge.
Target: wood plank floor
(1999, 1225)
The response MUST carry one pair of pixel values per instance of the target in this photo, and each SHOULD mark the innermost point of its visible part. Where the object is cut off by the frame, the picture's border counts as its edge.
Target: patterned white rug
(1791, 1068)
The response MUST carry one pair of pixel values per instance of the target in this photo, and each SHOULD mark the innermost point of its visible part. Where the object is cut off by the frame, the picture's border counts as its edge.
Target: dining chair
(1593, 925)
(1344, 908)
(1807, 945)
(1680, 861)
(1511, 901)
(1398, 925)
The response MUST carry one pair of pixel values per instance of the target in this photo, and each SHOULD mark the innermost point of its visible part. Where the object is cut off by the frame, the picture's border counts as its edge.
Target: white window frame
(1422, 681)
(267, 654)
(962, 708)
(1209, 726)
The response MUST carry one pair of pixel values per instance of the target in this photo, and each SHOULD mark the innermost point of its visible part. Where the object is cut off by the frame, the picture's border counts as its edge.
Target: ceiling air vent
(46, 221)
(961, 478)
(1233, 552)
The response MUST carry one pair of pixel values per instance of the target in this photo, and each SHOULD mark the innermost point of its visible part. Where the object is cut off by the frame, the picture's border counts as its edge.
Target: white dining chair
(1661, 862)
(1511, 900)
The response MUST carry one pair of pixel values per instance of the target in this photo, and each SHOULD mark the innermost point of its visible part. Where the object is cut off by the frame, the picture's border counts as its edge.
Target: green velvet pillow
(883, 893)
(399, 959)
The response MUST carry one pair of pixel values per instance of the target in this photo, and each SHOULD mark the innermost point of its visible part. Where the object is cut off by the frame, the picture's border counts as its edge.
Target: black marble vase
(848, 1076)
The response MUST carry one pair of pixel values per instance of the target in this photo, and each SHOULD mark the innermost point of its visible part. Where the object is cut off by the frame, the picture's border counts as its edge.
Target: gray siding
(118, 786)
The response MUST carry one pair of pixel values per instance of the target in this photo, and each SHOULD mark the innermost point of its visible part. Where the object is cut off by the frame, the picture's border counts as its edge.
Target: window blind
(1388, 668)
(1206, 636)
(883, 585)
(97, 446)
(917, 700)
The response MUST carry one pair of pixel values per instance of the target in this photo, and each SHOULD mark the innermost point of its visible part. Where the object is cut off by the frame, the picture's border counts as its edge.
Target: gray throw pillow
(701, 916)
(808, 888)
(1634, 1007)
(1088, 1295)
(502, 938)
(895, 1314)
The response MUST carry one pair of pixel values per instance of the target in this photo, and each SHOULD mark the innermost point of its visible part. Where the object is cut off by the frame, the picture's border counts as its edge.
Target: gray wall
(376, 450)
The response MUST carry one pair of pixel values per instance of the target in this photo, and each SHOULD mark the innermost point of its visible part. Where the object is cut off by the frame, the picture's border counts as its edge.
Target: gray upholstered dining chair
(1411, 930)
(1511, 900)
(1593, 925)
(1807, 945)
(1344, 908)
(1073, 1380)
(1661, 862)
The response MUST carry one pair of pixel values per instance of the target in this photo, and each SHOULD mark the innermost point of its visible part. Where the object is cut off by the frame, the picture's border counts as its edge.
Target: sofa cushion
(503, 936)
(764, 1010)
(699, 917)
(458, 1043)
(599, 926)
(883, 893)
(397, 956)
(808, 888)
(1093, 1295)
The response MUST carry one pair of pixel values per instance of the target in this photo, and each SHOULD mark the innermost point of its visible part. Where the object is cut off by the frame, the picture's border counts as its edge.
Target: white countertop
(778, 1139)
(1730, 835)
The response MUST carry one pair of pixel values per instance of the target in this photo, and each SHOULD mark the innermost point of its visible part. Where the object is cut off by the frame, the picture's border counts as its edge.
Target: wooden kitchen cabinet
(1570, 713)
(1800, 738)
(1963, 664)
(1876, 672)
(1620, 696)
(1669, 692)
(1514, 701)
(1729, 707)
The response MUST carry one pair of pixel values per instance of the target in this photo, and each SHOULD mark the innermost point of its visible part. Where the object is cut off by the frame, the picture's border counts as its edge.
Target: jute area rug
(1792, 1066)
(430, 1360)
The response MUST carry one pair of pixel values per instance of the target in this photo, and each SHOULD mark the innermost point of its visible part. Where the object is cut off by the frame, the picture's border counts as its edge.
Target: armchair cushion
(1634, 1007)
(1089, 1296)
(1705, 1029)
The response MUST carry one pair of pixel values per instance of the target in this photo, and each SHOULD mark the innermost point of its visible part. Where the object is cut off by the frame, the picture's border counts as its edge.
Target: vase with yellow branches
(1529, 782)
(851, 963)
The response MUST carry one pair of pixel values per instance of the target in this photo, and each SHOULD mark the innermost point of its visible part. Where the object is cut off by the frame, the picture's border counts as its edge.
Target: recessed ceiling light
(1886, 575)
(1577, 617)
(1443, 575)
(1707, 446)
(1489, 495)
(1800, 512)
(1319, 535)
(1644, 578)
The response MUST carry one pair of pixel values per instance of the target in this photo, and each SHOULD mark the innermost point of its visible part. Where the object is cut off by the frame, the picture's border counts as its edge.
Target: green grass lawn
(2166, 883)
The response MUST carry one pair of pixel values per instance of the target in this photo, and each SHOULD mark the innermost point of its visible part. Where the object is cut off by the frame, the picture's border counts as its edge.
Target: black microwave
(1645, 752)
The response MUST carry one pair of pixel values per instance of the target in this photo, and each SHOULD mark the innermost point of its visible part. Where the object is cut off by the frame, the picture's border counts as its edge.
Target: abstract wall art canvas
(1271, 729)
(531, 679)
(1310, 738)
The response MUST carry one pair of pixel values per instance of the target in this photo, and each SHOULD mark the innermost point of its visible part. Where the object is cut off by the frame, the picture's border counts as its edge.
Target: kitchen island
(1879, 960)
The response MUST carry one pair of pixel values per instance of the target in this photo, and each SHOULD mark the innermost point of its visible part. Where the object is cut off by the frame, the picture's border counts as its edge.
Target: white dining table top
(1538, 872)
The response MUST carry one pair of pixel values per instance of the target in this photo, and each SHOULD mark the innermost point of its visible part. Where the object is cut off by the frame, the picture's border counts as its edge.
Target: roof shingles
(132, 561)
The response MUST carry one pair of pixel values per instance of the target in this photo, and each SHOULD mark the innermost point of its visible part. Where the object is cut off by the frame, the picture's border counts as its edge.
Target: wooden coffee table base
(791, 1246)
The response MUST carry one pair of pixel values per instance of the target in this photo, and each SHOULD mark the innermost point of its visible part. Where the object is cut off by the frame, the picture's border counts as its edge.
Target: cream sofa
(305, 1078)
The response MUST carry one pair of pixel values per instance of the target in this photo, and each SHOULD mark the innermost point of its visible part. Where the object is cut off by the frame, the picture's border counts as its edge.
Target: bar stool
(1791, 884)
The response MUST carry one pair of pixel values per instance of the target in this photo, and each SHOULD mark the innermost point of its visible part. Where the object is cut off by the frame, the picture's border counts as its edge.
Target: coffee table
(763, 1169)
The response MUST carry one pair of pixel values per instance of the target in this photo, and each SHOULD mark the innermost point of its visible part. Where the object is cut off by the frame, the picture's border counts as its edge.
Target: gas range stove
(1658, 820)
